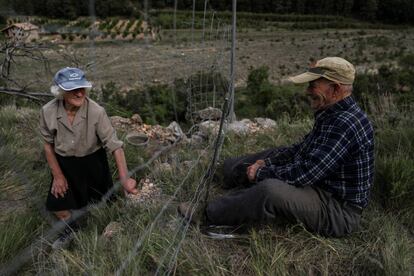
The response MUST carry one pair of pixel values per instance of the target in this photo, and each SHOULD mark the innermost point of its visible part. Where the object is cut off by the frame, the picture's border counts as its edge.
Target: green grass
(383, 246)
(20, 231)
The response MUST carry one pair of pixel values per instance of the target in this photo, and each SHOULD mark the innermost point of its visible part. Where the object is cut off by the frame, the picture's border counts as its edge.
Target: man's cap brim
(305, 77)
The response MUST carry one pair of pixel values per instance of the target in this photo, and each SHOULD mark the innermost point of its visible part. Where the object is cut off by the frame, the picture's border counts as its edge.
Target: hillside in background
(389, 11)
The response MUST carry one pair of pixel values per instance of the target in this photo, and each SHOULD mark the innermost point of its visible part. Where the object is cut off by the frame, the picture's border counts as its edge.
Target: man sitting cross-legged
(323, 182)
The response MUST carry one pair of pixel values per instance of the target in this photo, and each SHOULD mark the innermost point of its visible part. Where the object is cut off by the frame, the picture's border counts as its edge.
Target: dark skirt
(88, 177)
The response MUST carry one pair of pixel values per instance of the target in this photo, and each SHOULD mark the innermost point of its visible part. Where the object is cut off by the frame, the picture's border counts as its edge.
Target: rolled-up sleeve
(44, 130)
(107, 133)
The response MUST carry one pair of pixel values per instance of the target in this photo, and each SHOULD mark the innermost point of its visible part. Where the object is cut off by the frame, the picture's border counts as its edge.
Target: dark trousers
(275, 201)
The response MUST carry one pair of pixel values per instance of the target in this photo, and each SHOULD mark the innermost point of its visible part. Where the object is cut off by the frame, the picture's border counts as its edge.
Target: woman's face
(75, 97)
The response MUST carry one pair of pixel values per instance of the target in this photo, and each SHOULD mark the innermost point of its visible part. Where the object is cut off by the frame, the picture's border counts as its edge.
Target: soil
(132, 64)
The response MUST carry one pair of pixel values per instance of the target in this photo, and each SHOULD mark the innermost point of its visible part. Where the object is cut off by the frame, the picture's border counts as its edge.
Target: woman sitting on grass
(77, 131)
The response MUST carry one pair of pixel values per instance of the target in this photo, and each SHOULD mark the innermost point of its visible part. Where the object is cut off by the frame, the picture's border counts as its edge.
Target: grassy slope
(383, 245)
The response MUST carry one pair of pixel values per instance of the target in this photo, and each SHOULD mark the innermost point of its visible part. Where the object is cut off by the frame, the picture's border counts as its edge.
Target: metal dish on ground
(137, 139)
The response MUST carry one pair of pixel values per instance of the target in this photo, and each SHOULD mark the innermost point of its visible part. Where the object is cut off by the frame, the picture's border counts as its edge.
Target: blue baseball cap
(71, 78)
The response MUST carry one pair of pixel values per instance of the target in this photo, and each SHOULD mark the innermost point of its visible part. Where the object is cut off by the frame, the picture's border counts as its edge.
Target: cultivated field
(285, 52)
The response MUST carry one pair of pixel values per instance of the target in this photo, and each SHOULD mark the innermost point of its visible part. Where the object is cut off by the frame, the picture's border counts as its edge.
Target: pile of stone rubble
(148, 193)
(208, 124)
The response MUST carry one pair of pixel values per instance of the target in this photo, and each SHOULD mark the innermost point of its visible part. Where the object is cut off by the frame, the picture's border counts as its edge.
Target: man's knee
(275, 189)
(286, 198)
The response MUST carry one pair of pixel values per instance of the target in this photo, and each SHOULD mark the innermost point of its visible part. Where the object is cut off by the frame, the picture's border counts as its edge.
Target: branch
(30, 95)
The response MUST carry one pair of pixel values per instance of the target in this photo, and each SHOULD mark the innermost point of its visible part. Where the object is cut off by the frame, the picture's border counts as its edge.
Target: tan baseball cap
(332, 68)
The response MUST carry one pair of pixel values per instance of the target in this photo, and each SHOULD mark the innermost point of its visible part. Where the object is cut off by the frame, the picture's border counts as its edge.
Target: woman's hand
(59, 186)
(130, 186)
(252, 170)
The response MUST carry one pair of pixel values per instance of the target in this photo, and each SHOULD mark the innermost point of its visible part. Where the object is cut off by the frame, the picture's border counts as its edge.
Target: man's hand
(59, 186)
(130, 186)
(252, 170)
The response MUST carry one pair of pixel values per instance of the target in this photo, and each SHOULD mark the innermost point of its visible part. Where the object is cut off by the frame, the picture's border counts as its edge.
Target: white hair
(59, 92)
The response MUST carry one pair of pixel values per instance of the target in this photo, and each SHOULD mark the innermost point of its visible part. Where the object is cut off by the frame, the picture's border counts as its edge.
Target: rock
(239, 127)
(208, 128)
(246, 121)
(149, 193)
(209, 113)
(196, 139)
(118, 121)
(176, 129)
(188, 164)
(163, 167)
(136, 119)
(111, 230)
(265, 123)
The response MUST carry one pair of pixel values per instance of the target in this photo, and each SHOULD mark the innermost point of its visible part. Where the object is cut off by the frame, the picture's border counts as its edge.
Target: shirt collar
(82, 111)
(343, 104)
(81, 114)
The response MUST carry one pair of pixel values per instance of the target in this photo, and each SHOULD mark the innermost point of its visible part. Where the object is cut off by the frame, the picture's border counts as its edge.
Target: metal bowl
(137, 139)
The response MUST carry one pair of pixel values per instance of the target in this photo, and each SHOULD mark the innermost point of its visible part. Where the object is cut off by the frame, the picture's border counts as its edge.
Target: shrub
(261, 98)
(394, 184)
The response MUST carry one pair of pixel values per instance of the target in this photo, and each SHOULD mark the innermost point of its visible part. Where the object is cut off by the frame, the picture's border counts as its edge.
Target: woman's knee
(63, 215)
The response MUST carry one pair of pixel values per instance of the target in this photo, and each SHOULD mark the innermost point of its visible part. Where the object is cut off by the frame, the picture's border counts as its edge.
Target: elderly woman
(77, 131)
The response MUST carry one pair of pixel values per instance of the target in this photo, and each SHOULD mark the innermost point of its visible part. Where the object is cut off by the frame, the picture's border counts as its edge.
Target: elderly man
(324, 181)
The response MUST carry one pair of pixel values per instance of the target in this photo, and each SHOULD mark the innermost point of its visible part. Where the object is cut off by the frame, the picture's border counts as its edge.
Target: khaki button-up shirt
(91, 129)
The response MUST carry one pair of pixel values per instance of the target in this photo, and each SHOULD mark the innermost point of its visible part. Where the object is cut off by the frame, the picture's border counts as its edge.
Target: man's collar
(341, 105)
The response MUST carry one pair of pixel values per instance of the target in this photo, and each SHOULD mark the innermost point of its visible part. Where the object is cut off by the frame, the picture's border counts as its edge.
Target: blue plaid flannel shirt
(337, 155)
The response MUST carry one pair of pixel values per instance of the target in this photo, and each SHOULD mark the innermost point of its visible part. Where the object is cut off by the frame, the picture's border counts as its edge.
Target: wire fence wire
(204, 90)
(197, 99)
(202, 191)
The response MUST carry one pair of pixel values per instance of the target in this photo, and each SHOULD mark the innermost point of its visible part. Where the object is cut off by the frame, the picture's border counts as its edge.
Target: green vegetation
(373, 10)
(383, 246)
(161, 104)
(165, 19)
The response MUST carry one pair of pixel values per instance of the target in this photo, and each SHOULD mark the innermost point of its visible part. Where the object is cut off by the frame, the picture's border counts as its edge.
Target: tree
(369, 10)
(10, 51)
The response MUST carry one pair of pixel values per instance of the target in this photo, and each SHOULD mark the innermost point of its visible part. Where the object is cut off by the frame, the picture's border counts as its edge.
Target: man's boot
(196, 216)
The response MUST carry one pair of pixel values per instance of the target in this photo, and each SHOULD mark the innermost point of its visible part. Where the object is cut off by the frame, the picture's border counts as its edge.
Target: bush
(261, 98)
(157, 104)
(394, 172)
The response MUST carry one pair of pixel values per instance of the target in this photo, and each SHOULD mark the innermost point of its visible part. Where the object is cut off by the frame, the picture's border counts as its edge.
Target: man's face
(75, 97)
(320, 93)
